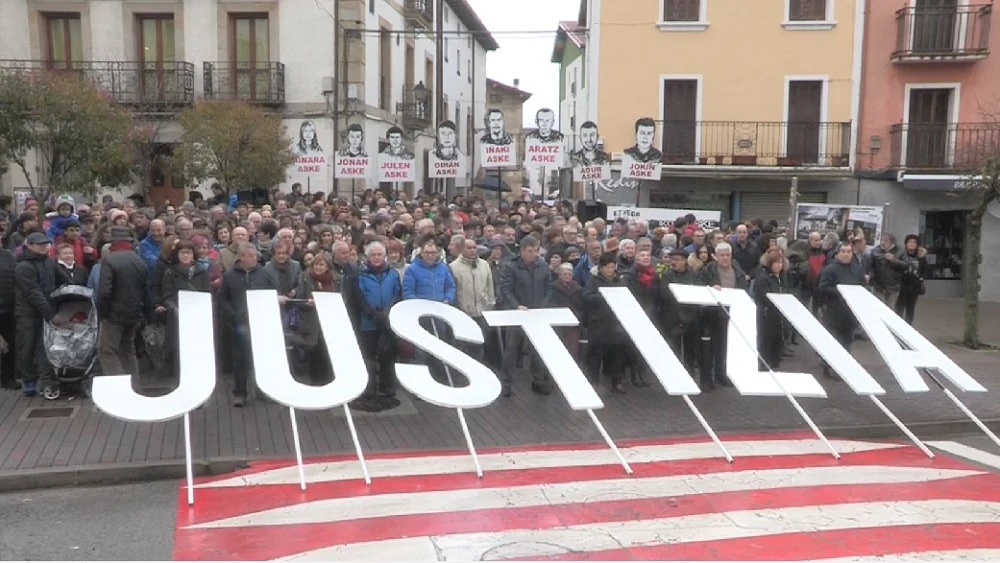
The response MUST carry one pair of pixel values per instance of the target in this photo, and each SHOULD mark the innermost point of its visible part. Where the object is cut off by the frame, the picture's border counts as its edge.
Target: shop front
(934, 208)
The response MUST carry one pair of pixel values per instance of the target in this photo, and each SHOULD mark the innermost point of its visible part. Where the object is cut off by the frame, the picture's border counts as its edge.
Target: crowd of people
(382, 248)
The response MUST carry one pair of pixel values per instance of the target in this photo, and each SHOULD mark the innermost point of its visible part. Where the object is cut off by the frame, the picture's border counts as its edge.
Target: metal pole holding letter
(461, 413)
(989, 433)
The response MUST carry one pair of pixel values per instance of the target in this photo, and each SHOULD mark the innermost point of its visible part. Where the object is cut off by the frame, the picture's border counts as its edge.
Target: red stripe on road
(226, 502)
(267, 465)
(271, 542)
(856, 542)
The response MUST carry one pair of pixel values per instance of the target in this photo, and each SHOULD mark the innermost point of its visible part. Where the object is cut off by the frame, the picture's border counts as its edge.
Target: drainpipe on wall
(338, 53)
(861, 92)
(471, 135)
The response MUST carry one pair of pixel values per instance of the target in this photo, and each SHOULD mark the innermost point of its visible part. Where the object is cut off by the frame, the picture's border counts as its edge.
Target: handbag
(154, 336)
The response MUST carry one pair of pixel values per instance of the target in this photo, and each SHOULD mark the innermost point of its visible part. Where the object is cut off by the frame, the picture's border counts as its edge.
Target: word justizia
(887, 331)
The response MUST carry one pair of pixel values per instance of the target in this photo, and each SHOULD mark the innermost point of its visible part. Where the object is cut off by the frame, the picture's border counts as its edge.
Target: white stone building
(282, 55)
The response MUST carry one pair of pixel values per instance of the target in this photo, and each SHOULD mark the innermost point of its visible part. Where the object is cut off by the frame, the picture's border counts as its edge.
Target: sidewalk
(70, 442)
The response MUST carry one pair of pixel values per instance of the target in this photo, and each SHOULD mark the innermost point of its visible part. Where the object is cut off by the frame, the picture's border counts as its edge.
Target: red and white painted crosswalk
(784, 498)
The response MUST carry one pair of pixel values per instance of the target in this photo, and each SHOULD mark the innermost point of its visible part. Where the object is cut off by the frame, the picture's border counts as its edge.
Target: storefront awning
(938, 182)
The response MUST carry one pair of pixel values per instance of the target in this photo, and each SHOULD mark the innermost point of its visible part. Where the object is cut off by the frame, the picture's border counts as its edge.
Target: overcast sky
(526, 56)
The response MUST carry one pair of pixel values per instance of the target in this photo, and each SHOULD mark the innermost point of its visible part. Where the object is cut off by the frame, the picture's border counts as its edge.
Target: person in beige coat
(474, 292)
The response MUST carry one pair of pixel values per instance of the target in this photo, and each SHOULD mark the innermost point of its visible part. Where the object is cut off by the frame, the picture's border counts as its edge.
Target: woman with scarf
(183, 274)
(641, 281)
(319, 277)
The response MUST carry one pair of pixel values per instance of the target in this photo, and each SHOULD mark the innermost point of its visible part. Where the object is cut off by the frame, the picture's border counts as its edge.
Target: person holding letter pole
(641, 281)
(723, 272)
(474, 291)
(247, 274)
(606, 339)
(772, 278)
(680, 322)
(381, 288)
(525, 283)
(838, 319)
(428, 277)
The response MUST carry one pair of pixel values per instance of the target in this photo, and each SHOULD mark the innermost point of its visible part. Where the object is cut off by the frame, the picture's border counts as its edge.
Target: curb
(117, 474)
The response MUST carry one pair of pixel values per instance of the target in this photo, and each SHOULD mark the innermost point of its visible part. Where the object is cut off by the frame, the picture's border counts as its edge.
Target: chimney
(517, 83)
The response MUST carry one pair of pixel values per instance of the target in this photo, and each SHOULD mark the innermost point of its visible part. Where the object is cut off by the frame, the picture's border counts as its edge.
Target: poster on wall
(590, 163)
(496, 147)
(642, 161)
(352, 160)
(310, 159)
(839, 219)
(446, 161)
(706, 218)
(396, 163)
(543, 147)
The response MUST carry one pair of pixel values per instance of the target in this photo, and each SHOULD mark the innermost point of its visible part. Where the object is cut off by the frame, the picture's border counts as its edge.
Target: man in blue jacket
(430, 278)
(380, 289)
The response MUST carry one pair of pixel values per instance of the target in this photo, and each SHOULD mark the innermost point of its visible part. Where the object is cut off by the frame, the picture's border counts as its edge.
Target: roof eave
(471, 20)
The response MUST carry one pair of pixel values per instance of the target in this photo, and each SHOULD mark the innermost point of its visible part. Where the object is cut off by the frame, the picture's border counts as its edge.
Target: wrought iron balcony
(958, 147)
(756, 143)
(956, 33)
(419, 13)
(253, 82)
(417, 107)
(151, 87)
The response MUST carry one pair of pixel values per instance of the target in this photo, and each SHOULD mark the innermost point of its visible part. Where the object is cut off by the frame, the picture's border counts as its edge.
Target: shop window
(943, 235)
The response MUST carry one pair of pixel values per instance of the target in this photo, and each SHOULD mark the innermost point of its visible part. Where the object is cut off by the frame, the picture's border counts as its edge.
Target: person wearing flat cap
(34, 282)
(680, 322)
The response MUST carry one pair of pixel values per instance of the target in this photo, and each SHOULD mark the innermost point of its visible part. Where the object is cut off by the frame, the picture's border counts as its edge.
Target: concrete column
(201, 37)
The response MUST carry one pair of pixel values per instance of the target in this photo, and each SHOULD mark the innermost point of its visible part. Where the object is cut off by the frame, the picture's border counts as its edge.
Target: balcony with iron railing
(147, 87)
(417, 107)
(945, 34)
(260, 83)
(943, 147)
(419, 13)
(756, 143)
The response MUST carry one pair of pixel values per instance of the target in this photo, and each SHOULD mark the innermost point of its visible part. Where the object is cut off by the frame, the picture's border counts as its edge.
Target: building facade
(929, 103)
(282, 56)
(569, 53)
(745, 96)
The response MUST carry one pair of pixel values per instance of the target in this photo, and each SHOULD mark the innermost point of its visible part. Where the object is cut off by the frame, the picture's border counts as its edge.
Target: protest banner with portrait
(642, 161)
(352, 160)
(590, 163)
(446, 161)
(311, 160)
(496, 147)
(543, 147)
(396, 163)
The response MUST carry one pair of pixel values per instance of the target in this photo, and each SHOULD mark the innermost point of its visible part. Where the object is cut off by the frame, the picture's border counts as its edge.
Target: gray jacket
(527, 285)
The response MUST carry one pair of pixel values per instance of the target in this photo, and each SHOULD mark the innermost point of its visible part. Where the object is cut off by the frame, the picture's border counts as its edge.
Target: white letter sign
(483, 388)
(538, 327)
(884, 326)
(270, 358)
(661, 359)
(114, 395)
(741, 346)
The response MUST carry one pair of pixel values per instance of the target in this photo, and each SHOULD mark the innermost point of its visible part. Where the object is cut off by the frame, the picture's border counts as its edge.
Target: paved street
(782, 495)
(79, 438)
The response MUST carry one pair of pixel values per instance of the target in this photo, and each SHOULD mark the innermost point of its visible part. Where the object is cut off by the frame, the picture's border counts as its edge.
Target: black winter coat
(34, 282)
(73, 276)
(603, 327)
(233, 293)
(838, 314)
(178, 278)
(122, 290)
(675, 318)
(8, 263)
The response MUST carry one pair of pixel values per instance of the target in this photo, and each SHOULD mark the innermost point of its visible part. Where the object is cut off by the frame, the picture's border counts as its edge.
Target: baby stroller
(71, 336)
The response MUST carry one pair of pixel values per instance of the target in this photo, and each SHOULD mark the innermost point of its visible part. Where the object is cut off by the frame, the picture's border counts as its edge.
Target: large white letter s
(483, 387)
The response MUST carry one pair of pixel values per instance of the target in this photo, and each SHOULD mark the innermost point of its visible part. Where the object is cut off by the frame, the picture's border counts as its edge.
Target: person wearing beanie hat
(64, 214)
(605, 335)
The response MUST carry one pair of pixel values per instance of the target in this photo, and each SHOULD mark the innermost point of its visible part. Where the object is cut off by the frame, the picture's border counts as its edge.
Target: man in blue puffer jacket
(428, 277)
(380, 288)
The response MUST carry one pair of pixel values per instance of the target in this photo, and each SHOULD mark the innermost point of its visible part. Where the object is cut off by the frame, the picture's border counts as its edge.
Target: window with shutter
(807, 10)
(682, 10)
